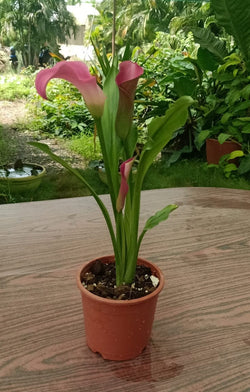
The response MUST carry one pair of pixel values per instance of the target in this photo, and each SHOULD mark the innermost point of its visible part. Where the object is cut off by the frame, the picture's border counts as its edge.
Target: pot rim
(213, 139)
(119, 302)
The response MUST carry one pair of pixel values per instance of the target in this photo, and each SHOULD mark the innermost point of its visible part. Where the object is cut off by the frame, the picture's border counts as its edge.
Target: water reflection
(150, 366)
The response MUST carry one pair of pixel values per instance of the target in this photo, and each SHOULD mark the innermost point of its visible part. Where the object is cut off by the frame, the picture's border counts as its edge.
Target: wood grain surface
(201, 334)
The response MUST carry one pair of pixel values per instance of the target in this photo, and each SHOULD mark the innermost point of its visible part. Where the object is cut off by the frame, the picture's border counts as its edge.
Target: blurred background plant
(193, 48)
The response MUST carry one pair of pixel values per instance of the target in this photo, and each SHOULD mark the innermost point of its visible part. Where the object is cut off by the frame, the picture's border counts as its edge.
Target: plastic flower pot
(21, 182)
(215, 150)
(118, 329)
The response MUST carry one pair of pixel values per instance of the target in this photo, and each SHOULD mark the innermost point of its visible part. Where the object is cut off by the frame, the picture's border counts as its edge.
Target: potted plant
(229, 105)
(225, 114)
(119, 291)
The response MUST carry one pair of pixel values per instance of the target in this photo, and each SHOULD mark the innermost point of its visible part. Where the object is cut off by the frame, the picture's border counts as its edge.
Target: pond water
(26, 171)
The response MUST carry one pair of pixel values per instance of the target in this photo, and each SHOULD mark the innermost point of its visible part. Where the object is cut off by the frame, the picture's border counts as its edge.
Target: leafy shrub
(67, 115)
(169, 73)
(225, 112)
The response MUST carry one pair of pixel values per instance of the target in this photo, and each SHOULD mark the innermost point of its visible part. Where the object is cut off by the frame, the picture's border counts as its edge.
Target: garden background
(201, 49)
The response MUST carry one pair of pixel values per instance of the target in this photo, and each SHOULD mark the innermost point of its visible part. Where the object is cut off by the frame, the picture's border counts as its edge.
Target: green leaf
(244, 119)
(131, 141)
(177, 154)
(159, 216)
(236, 154)
(207, 60)
(230, 167)
(223, 137)
(241, 106)
(233, 59)
(245, 92)
(111, 91)
(201, 137)
(233, 96)
(209, 41)
(103, 60)
(234, 17)
(226, 117)
(155, 220)
(161, 130)
(184, 86)
(244, 165)
(246, 128)
(107, 133)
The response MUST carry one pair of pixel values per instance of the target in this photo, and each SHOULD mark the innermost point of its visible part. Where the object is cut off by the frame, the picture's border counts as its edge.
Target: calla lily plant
(112, 109)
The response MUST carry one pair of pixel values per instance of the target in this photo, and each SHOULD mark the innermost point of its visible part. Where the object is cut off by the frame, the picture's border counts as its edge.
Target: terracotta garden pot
(215, 150)
(118, 329)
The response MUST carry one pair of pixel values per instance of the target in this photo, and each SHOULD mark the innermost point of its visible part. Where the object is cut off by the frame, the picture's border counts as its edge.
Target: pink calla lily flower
(78, 74)
(125, 170)
(126, 80)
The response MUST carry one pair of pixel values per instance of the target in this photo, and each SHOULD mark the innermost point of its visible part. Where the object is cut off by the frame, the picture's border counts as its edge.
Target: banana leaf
(234, 16)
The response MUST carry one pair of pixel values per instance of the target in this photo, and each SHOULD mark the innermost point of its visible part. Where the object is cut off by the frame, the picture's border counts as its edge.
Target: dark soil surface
(100, 280)
(13, 113)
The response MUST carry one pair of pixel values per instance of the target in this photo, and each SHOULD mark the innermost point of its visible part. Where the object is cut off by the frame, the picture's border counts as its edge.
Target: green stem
(134, 215)
(111, 179)
(119, 238)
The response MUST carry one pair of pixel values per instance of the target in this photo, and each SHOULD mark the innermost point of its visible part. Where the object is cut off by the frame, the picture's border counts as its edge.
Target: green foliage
(157, 218)
(87, 146)
(234, 17)
(67, 115)
(29, 24)
(139, 21)
(168, 72)
(15, 86)
(228, 163)
(210, 42)
(225, 112)
(219, 86)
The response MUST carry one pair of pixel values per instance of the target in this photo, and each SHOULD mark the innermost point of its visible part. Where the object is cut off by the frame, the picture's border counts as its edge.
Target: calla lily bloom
(125, 170)
(78, 74)
(126, 80)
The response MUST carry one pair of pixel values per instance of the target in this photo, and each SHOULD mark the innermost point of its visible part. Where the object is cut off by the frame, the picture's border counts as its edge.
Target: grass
(13, 86)
(86, 146)
(192, 173)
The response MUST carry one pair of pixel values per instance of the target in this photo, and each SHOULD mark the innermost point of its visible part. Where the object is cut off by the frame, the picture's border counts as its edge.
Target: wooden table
(201, 333)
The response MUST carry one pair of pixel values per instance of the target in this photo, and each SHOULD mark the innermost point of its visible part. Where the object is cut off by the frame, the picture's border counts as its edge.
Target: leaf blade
(159, 217)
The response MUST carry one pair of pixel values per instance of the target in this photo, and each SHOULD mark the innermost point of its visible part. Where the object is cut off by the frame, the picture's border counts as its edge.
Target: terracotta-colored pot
(118, 329)
(215, 150)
